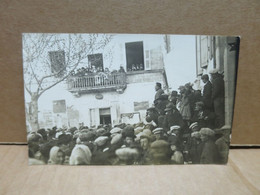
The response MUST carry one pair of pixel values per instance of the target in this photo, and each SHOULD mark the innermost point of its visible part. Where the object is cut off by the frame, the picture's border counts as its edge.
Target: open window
(95, 62)
(134, 56)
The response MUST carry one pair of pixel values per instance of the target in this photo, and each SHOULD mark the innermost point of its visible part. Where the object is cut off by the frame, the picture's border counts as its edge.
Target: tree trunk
(33, 112)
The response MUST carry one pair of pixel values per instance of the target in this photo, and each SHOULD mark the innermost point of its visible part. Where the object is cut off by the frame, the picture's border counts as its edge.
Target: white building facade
(113, 98)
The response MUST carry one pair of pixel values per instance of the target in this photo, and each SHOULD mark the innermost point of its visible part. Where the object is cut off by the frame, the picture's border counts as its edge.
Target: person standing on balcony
(218, 93)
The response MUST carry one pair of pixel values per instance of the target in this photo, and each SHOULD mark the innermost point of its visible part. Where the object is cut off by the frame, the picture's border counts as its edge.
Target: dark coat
(204, 118)
(173, 119)
(209, 154)
(207, 95)
(218, 92)
(218, 89)
(158, 93)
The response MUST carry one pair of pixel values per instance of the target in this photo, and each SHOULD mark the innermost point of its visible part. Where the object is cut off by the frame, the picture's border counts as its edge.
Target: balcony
(97, 82)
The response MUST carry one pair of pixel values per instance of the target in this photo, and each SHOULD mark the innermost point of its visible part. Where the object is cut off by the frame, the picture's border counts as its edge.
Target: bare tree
(39, 73)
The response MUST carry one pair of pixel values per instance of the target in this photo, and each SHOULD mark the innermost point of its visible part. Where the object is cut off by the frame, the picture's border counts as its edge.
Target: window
(59, 106)
(134, 56)
(95, 62)
(57, 59)
(204, 51)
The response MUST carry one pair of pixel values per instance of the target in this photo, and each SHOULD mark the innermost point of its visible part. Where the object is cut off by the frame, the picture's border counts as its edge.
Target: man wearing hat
(209, 152)
(218, 93)
(173, 97)
(223, 143)
(207, 92)
(160, 152)
(159, 92)
(162, 101)
(173, 117)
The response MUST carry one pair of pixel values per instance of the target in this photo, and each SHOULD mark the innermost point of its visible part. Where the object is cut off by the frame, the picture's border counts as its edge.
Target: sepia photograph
(129, 99)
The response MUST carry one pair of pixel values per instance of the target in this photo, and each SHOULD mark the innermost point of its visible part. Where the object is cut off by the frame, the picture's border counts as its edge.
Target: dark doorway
(105, 117)
(134, 56)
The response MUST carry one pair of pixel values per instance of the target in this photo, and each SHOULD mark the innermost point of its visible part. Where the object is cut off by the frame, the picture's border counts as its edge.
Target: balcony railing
(96, 82)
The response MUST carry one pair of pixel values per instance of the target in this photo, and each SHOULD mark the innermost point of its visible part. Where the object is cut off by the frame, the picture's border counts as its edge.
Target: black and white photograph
(129, 99)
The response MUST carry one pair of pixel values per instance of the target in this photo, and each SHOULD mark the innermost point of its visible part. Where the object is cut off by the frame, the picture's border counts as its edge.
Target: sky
(181, 61)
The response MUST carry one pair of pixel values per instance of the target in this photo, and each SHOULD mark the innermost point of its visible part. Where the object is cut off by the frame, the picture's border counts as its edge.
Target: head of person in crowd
(196, 135)
(151, 115)
(52, 132)
(33, 149)
(80, 155)
(145, 141)
(170, 107)
(174, 130)
(194, 127)
(72, 130)
(206, 134)
(224, 132)
(181, 89)
(174, 143)
(34, 137)
(214, 73)
(158, 132)
(121, 69)
(199, 106)
(205, 78)
(127, 155)
(101, 131)
(43, 133)
(173, 97)
(121, 125)
(45, 148)
(188, 87)
(160, 152)
(115, 131)
(57, 156)
(116, 139)
(158, 86)
(101, 141)
(63, 142)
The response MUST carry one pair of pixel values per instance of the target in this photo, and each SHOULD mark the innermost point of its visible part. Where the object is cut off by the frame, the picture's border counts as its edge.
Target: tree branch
(28, 90)
(76, 65)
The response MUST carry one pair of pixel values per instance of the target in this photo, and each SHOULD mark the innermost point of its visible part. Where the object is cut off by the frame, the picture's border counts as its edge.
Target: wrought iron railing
(96, 82)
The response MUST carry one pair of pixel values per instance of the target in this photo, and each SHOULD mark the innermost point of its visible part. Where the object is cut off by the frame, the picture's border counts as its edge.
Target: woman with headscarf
(80, 155)
(57, 156)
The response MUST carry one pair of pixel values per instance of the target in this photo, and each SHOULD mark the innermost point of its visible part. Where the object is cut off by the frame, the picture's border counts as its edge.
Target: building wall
(140, 87)
(219, 56)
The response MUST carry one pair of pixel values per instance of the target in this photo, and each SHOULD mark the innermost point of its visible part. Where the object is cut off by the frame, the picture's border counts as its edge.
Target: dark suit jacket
(207, 95)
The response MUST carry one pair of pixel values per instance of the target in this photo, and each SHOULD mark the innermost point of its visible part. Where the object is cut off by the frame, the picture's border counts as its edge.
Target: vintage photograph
(129, 99)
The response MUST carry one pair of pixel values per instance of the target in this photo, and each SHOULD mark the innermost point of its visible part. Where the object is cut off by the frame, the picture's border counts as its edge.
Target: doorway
(105, 116)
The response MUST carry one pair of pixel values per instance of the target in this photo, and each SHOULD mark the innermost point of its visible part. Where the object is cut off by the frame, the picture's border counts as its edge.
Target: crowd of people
(185, 127)
(85, 71)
